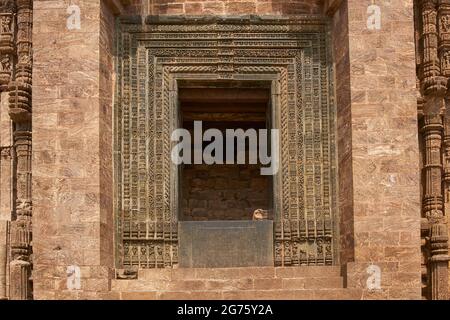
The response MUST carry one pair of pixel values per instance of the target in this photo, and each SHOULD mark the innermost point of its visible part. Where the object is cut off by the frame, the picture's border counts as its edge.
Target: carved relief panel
(293, 55)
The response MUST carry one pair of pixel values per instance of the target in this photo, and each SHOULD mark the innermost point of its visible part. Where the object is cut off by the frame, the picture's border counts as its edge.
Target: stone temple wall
(73, 86)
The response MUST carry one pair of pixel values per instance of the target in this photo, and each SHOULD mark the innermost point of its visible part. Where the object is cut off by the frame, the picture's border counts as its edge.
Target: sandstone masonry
(389, 92)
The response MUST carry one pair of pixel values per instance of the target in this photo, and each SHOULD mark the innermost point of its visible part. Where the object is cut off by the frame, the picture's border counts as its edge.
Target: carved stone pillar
(431, 70)
(433, 73)
(20, 113)
(446, 158)
(433, 205)
(7, 64)
(439, 235)
(443, 24)
(432, 134)
(439, 230)
(4, 236)
(439, 261)
(20, 89)
(20, 267)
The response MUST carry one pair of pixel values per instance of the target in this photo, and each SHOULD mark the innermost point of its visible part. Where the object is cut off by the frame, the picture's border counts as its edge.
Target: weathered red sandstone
(385, 94)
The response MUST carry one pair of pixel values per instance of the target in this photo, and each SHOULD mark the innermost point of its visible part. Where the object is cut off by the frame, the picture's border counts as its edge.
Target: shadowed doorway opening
(225, 191)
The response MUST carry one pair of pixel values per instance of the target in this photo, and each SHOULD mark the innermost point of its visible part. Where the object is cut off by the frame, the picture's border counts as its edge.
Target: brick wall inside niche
(223, 192)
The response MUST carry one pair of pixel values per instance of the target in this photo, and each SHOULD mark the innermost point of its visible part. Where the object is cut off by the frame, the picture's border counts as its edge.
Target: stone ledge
(237, 273)
(227, 19)
(318, 294)
(307, 283)
(162, 281)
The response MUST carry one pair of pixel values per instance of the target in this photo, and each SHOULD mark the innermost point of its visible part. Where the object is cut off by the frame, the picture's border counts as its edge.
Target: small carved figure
(446, 61)
(445, 24)
(5, 152)
(260, 214)
(5, 64)
(5, 24)
(22, 35)
(24, 59)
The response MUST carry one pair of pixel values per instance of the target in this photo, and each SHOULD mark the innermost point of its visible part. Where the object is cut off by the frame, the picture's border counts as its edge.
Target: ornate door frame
(293, 54)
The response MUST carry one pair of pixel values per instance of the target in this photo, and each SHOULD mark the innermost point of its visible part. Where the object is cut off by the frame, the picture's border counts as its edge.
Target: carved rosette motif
(293, 55)
(15, 79)
(433, 39)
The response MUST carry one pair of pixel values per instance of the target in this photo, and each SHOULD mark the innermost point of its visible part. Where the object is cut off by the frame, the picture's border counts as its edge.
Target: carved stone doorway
(219, 200)
(155, 58)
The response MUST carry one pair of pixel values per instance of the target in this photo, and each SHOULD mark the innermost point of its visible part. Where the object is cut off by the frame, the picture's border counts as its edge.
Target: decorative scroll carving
(293, 53)
(433, 37)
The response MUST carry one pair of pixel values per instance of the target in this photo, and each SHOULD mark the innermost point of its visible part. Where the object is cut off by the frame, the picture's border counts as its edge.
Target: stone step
(314, 282)
(229, 285)
(240, 273)
(311, 294)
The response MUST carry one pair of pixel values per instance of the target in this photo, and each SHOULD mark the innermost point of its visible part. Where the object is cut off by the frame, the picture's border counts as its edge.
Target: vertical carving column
(446, 157)
(7, 57)
(20, 113)
(439, 261)
(434, 86)
(20, 267)
(443, 24)
(432, 134)
(433, 207)
(439, 233)
(430, 65)
(7, 10)
(4, 235)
